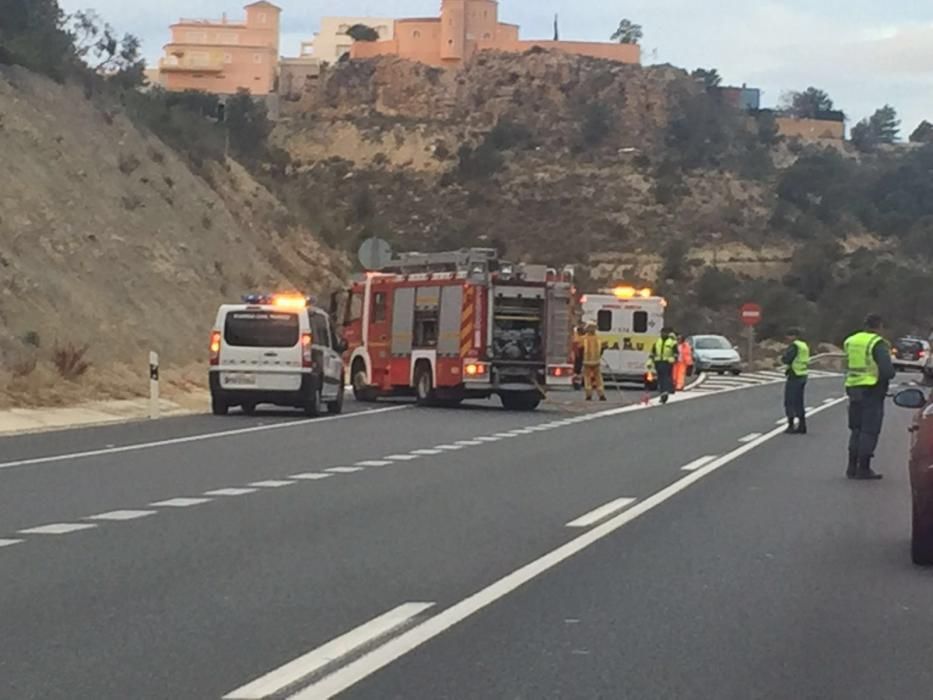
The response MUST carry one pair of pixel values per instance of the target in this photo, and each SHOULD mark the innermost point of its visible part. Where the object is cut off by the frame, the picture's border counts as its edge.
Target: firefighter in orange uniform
(592, 364)
(684, 366)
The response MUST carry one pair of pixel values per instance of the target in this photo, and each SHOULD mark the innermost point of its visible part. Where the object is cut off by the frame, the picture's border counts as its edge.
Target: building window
(487, 36)
(262, 18)
(257, 58)
(196, 37)
(343, 28)
(382, 30)
(228, 38)
(416, 34)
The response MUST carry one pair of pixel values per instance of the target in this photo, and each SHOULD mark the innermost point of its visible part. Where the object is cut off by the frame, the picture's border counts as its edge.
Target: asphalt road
(428, 553)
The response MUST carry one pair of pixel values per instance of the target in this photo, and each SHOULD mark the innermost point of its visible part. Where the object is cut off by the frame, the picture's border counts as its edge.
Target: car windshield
(713, 342)
(261, 329)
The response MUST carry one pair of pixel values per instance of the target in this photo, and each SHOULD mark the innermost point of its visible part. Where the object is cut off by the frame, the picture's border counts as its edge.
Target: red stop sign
(751, 314)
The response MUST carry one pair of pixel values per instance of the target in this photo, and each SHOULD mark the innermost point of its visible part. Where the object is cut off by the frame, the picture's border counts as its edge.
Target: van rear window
(261, 329)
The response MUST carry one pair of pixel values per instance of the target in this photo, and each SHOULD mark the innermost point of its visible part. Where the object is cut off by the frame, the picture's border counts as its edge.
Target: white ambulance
(628, 322)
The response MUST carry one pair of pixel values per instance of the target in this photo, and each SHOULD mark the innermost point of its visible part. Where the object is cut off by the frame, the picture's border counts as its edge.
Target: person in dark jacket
(869, 371)
(797, 361)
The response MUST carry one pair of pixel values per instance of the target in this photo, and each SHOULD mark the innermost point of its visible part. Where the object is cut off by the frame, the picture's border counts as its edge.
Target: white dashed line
(403, 458)
(449, 448)
(469, 443)
(180, 502)
(9, 543)
(697, 463)
(230, 492)
(57, 529)
(274, 682)
(120, 515)
(426, 453)
(272, 484)
(310, 476)
(601, 513)
(374, 463)
(503, 436)
(780, 421)
(751, 437)
(344, 470)
(489, 439)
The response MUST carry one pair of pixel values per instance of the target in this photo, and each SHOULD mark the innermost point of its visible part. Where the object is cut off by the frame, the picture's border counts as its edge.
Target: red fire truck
(445, 327)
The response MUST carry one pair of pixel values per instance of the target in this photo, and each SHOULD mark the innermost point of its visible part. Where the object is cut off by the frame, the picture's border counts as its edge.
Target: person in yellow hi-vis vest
(592, 364)
(664, 356)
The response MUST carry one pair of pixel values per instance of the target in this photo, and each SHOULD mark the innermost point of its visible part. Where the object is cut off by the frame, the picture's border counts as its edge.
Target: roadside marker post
(154, 406)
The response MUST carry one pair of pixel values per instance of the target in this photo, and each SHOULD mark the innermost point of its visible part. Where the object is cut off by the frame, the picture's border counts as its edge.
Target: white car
(910, 354)
(279, 350)
(714, 353)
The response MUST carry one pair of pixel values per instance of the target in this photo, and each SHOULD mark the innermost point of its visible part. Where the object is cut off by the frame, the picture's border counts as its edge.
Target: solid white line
(310, 476)
(402, 458)
(344, 470)
(697, 463)
(120, 515)
(195, 438)
(230, 492)
(365, 666)
(292, 672)
(601, 513)
(374, 463)
(180, 502)
(9, 543)
(751, 437)
(780, 421)
(57, 529)
(828, 400)
(272, 484)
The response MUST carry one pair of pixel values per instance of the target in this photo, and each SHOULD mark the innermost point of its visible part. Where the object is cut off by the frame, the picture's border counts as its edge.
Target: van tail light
(215, 348)
(306, 340)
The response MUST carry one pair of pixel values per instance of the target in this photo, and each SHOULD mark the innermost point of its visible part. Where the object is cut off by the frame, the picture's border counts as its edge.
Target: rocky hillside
(109, 241)
(629, 172)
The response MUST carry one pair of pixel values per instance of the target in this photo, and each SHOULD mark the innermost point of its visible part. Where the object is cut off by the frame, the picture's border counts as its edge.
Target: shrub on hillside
(71, 360)
(506, 135)
(478, 163)
(717, 288)
(596, 125)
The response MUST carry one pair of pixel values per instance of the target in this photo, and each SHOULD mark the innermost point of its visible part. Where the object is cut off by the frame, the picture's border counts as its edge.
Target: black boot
(802, 427)
(865, 472)
(853, 465)
(791, 430)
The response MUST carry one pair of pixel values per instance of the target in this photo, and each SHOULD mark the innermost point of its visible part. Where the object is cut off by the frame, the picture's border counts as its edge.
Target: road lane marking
(276, 681)
(601, 513)
(9, 543)
(374, 463)
(121, 515)
(491, 438)
(828, 400)
(230, 492)
(751, 437)
(194, 438)
(180, 502)
(469, 443)
(310, 476)
(344, 470)
(504, 435)
(403, 458)
(399, 646)
(57, 529)
(697, 463)
(780, 421)
(426, 453)
(449, 448)
(272, 484)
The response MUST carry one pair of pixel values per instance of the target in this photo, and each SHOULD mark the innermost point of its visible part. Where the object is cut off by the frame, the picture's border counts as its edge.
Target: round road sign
(751, 314)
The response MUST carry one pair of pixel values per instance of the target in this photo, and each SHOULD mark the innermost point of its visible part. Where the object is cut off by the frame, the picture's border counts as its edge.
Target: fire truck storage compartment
(518, 324)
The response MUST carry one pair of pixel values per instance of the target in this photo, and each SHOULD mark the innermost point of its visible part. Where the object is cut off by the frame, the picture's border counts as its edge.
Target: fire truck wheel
(424, 385)
(361, 392)
(524, 401)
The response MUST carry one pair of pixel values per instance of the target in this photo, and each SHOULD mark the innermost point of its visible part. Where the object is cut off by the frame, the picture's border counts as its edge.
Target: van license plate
(240, 379)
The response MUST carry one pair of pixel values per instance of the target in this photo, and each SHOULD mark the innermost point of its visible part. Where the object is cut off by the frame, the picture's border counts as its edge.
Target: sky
(865, 53)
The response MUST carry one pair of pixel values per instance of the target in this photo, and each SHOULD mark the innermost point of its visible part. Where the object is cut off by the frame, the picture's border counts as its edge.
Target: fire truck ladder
(474, 261)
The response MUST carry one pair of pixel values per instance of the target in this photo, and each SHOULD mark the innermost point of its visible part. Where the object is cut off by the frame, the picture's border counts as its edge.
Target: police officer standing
(664, 356)
(868, 374)
(797, 360)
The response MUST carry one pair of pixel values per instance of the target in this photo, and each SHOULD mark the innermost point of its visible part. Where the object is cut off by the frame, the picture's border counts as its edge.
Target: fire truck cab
(445, 327)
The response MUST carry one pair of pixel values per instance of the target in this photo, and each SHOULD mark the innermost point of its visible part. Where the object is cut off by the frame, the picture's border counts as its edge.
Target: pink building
(223, 56)
(466, 27)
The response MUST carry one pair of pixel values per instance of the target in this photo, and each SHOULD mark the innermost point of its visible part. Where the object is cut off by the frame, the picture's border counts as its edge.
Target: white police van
(275, 349)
